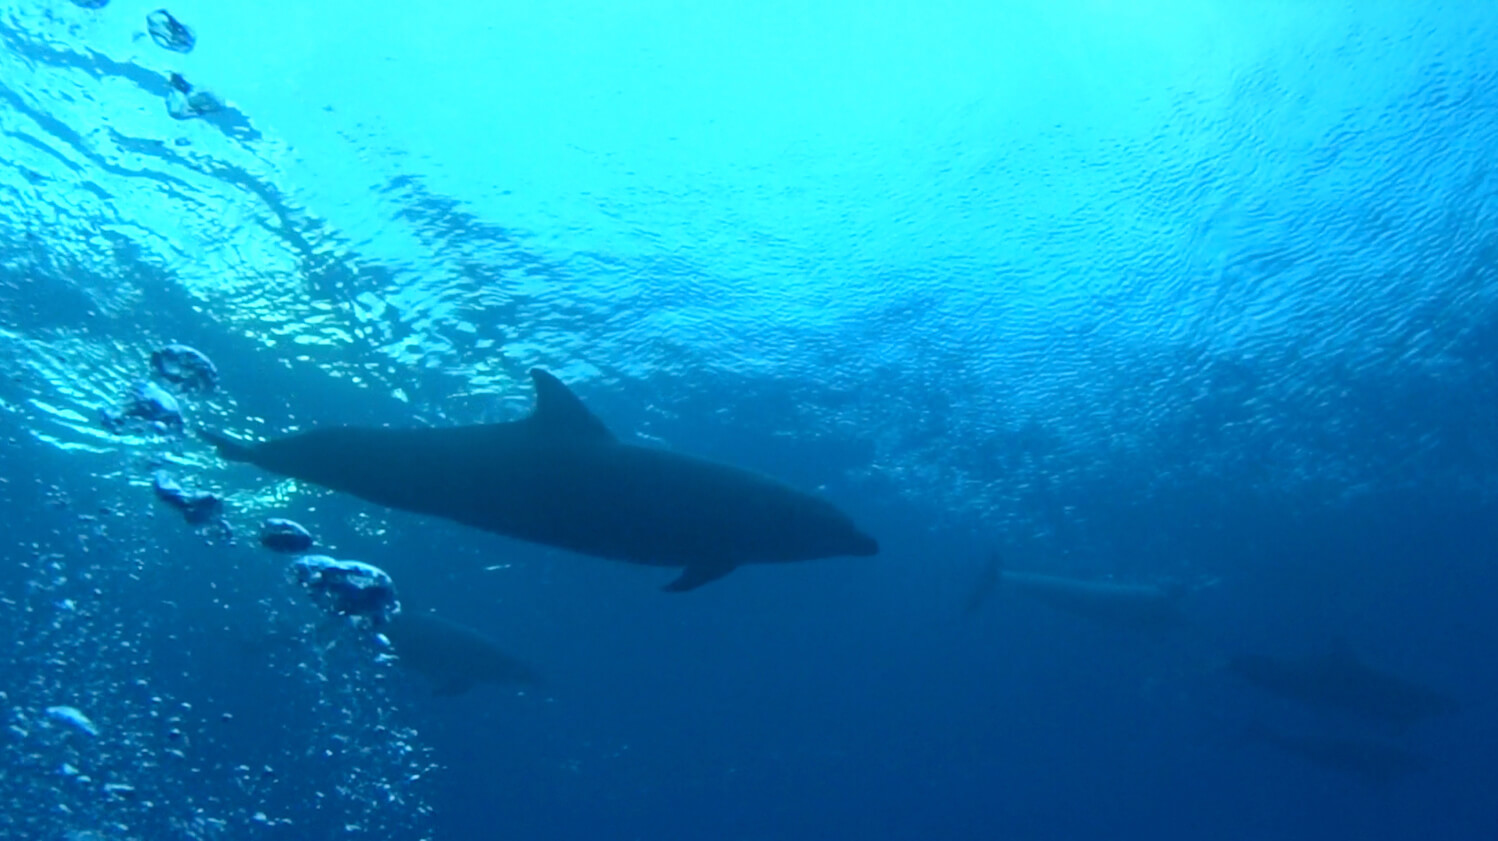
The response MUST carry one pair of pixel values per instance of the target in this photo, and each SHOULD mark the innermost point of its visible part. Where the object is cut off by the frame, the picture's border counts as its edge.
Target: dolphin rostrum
(559, 477)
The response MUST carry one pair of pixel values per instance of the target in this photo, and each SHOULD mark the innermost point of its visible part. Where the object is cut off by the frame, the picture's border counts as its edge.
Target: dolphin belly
(653, 507)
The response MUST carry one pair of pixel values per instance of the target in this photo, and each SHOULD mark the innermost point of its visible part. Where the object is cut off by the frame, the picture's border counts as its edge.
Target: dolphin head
(839, 543)
(828, 532)
(861, 544)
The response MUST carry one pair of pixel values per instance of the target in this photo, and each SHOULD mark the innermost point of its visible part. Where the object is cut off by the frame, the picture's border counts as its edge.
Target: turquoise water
(1168, 293)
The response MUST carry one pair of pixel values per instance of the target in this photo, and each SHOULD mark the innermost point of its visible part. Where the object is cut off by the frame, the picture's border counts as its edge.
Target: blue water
(1167, 291)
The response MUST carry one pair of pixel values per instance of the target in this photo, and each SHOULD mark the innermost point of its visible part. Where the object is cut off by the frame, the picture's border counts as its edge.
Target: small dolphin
(1340, 681)
(1147, 606)
(559, 477)
(453, 657)
(1367, 759)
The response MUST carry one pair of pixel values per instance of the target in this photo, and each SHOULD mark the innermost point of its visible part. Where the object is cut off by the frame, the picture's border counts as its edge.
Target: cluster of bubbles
(197, 507)
(94, 749)
(153, 406)
(360, 592)
(170, 33)
(109, 733)
(183, 101)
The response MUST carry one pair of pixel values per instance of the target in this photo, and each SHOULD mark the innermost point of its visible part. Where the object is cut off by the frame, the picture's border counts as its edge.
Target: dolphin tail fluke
(228, 448)
(988, 581)
(696, 575)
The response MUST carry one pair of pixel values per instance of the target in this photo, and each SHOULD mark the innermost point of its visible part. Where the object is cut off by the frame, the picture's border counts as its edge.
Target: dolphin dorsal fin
(559, 412)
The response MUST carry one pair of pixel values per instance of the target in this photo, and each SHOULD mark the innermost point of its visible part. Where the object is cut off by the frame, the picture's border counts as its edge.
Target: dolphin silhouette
(1339, 681)
(1137, 605)
(559, 477)
(1372, 760)
(453, 657)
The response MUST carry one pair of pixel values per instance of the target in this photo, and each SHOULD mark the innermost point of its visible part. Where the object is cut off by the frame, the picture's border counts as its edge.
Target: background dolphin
(1340, 681)
(1135, 605)
(1372, 760)
(453, 657)
(560, 478)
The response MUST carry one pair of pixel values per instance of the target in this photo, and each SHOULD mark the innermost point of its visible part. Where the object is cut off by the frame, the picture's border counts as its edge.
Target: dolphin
(453, 657)
(1140, 605)
(1372, 760)
(560, 478)
(1340, 681)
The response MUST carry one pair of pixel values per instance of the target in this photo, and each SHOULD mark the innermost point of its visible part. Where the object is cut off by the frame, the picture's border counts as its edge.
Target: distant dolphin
(1340, 681)
(559, 477)
(453, 657)
(1147, 606)
(1371, 760)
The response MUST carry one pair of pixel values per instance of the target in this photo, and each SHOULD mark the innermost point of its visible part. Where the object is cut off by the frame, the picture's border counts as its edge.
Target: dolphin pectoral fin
(696, 575)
